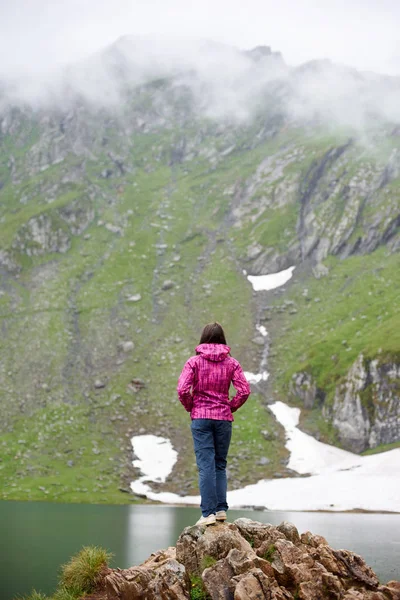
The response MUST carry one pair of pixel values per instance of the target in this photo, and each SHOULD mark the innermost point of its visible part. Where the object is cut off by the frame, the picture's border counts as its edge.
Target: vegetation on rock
(80, 576)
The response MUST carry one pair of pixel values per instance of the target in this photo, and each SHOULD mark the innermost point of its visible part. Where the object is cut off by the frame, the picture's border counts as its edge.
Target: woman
(203, 389)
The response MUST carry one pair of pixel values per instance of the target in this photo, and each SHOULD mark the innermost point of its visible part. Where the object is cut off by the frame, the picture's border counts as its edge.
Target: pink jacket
(203, 385)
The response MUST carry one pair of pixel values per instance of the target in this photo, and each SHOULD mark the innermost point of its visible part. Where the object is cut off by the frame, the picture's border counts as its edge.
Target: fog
(338, 64)
(37, 35)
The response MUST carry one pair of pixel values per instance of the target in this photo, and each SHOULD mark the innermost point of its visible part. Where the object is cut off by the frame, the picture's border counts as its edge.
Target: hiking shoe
(210, 520)
(221, 515)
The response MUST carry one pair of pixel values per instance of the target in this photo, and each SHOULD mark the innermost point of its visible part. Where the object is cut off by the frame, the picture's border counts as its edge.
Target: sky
(38, 35)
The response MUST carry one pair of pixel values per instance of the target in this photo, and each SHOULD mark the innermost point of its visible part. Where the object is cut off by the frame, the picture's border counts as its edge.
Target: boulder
(134, 298)
(261, 536)
(167, 285)
(195, 544)
(127, 346)
(160, 577)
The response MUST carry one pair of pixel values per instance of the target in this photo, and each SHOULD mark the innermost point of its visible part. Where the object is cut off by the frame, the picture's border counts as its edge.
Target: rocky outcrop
(248, 560)
(40, 235)
(366, 406)
(366, 409)
(339, 212)
(52, 231)
(78, 215)
(304, 388)
(7, 262)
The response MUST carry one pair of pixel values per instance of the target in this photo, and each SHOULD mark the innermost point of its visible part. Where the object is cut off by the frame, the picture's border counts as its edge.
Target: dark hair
(213, 334)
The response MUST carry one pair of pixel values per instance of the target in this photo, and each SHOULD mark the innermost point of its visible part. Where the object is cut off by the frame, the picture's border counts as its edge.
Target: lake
(37, 537)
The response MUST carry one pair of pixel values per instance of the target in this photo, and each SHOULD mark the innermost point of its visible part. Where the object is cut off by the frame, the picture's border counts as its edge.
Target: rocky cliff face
(320, 200)
(366, 406)
(336, 210)
(366, 409)
(247, 560)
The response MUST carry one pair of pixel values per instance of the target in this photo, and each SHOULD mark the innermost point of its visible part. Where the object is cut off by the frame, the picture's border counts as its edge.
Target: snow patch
(340, 481)
(256, 377)
(272, 281)
(261, 329)
(155, 458)
(308, 455)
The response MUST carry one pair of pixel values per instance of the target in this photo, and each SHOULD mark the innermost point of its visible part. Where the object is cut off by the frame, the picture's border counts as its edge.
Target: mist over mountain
(136, 187)
(222, 81)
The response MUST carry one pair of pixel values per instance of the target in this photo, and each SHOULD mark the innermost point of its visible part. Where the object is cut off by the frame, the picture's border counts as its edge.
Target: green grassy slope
(354, 309)
(65, 315)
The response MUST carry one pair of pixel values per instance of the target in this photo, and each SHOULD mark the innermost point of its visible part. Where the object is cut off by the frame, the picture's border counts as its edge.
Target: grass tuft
(197, 590)
(207, 561)
(35, 596)
(269, 553)
(82, 572)
(62, 593)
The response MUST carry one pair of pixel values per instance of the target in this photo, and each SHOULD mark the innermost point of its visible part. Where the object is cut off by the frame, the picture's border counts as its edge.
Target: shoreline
(283, 510)
(158, 504)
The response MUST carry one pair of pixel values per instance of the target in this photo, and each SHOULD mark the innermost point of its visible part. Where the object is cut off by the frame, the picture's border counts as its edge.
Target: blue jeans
(211, 439)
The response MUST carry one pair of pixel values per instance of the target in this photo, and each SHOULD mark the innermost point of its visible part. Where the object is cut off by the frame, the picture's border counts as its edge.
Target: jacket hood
(213, 352)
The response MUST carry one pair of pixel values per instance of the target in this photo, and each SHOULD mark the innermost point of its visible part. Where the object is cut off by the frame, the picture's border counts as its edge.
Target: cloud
(64, 52)
(38, 35)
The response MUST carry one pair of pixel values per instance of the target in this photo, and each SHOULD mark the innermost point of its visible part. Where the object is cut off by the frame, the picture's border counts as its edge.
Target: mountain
(135, 190)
